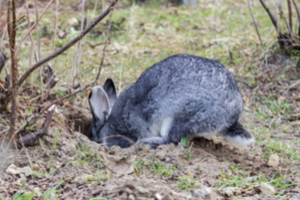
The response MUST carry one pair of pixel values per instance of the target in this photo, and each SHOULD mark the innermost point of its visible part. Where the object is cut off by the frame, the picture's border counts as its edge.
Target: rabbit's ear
(99, 103)
(110, 89)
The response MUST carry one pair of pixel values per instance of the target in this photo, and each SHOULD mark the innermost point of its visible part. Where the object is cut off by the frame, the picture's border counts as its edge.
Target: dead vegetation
(288, 35)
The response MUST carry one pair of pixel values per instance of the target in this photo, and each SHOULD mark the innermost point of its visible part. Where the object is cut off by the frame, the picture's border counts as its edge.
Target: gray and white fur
(183, 95)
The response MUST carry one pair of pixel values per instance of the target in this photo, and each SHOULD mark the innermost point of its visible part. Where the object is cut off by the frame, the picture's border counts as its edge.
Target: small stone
(12, 169)
(73, 22)
(168, 159)
(230, 191)
(203, 192)
(131, 197)
(158, 196)
(61, 34)
(267, 189)
(273, 160)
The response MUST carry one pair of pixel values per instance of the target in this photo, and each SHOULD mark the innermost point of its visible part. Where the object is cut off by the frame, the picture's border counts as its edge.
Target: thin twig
(74, 66)
(290, 15)
(32, 120)
(276, 14)
(34, 67)
(95, 8)
(274, 21)
(11, 27)
(284, 17)
(298, 14)
(82, 44)
(104, 49)
(55, 25)
(30, 34)
(254, 21)
(30, 139)
(102, 3)
(38, 44)
(67, 46)
(33, 26)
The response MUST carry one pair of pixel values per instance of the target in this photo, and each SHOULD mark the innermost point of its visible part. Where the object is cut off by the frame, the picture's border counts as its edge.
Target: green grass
(204, 31)
(244, 181)
(85, 156)
(186, 182)
(287, 150)
(154, 166)
(188, 152)
(19, 196)
(51, 193)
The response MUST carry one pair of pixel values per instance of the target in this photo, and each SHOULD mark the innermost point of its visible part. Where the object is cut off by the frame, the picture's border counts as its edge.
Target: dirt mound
(221, 150)
(69, 166)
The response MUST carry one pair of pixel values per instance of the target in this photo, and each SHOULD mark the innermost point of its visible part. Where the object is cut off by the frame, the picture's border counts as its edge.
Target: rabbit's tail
(238, 134)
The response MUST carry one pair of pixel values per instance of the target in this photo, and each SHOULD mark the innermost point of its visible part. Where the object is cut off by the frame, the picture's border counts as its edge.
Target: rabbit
(182, 95)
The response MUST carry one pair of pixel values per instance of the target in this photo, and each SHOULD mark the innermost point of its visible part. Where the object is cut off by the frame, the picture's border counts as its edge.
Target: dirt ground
(128, 173)
(65, 164)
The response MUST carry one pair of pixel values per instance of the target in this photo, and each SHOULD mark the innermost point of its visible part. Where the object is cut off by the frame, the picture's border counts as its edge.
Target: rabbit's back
(198, 94)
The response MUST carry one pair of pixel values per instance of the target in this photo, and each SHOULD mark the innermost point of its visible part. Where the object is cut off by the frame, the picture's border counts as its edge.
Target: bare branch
(290, 15)
(255, 23)
(30, 29)
(11, 27)
(81, 49)
(37, 30)
(30, 139)
(298, 14)
(38, 44)
(55, 25)
(102, 4)
(95, 8)
(32, 120)
(274, 21)
(284, 17)
(30, 34)
(74, 67)
(67, 46)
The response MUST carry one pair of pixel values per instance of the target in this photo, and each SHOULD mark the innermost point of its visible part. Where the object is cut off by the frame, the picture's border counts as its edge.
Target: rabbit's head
(101, 100)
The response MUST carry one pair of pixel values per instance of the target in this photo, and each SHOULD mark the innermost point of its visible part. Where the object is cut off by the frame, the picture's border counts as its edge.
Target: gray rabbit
(183, 95)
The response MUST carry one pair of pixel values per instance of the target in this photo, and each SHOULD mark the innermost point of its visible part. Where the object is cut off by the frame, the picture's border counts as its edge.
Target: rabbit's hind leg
(152, 142)
(238, 134)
